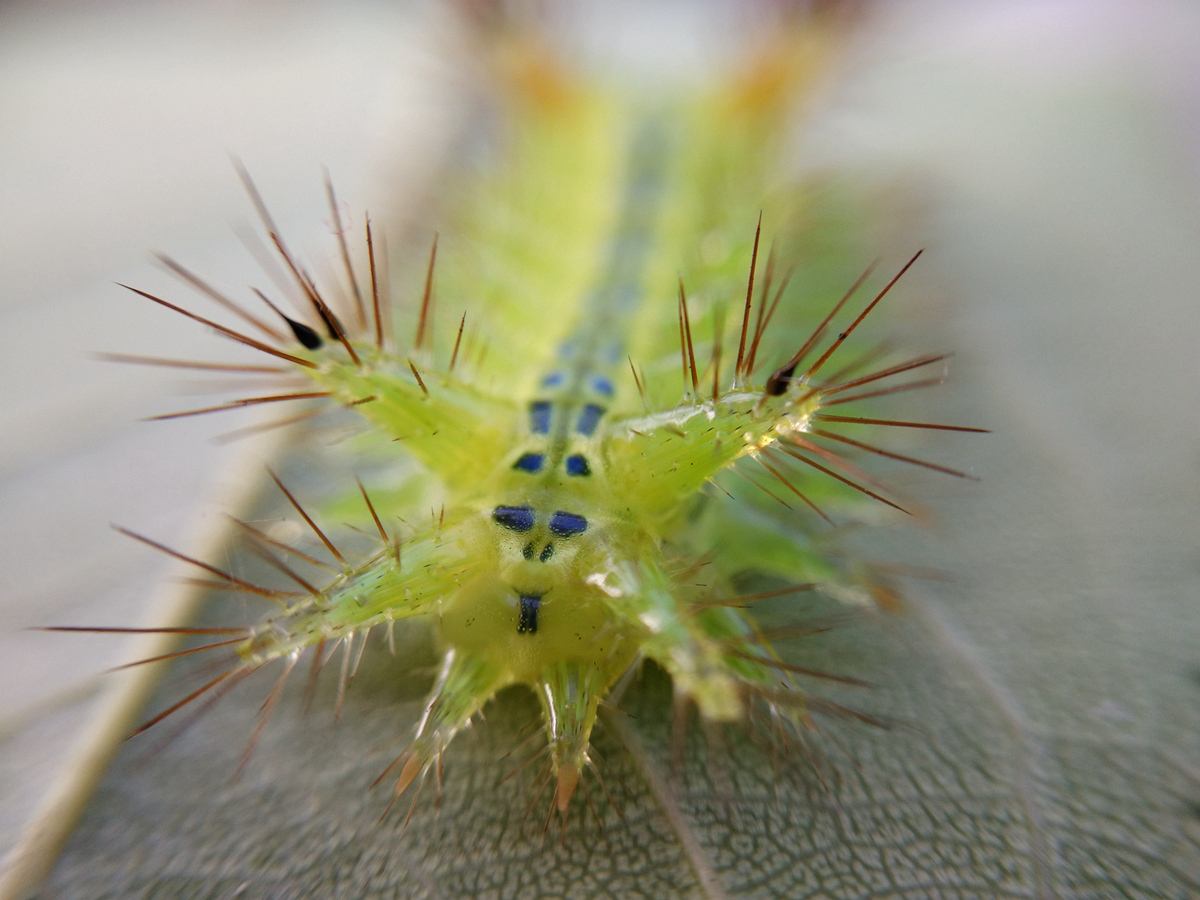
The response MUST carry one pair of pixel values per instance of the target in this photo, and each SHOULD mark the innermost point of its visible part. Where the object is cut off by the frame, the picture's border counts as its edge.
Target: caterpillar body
(630, 344)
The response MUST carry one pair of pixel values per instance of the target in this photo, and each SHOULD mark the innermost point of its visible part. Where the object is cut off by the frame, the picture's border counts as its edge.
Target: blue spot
(589, 418)
(566, 524)
(602, 385)
(514, 518)
(577, 464)
(530, 462)
(554, 379)
(539, 416)
(527, 618)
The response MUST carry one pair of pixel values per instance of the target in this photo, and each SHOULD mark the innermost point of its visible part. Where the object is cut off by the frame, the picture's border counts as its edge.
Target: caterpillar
(611, 380)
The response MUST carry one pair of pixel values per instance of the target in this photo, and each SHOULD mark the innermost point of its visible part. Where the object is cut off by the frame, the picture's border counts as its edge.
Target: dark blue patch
(577, 464)
(530, 462)
(527, 618)
(602, 385)
(539, 416)
(589, 418)
(554, 379)
(514, 518)
(547, 552)
(527, 550)
(566, 524)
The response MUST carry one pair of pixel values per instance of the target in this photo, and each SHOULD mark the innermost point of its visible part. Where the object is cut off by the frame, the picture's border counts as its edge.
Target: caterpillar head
(538, 546)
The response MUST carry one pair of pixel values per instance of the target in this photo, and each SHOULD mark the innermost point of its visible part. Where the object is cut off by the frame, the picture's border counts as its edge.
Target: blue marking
(547, 552)
(527, 618)
(554, 379)
(539, 416)
(626, 246)
(514, 518)
(577, 464)
(602, 385)
(530, 462)
(619, 295)
(566, 524)
(589, 418)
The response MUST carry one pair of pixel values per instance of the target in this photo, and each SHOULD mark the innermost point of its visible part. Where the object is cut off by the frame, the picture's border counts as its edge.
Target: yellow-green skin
(570, 260)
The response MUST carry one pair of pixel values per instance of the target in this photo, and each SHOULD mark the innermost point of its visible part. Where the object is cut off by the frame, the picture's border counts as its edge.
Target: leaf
(1025, 763)
(1050, 685)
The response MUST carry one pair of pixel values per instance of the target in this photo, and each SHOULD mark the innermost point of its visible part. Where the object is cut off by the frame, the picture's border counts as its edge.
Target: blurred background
(1047, 154)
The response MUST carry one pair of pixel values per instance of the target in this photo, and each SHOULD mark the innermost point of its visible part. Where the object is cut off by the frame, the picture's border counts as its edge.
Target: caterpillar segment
(617, 238)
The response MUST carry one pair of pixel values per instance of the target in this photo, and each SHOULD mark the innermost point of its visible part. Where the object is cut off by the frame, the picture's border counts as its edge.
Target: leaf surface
(1046, 701)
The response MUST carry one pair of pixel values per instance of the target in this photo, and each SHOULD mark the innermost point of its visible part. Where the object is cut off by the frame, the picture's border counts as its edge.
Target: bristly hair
(575, 505)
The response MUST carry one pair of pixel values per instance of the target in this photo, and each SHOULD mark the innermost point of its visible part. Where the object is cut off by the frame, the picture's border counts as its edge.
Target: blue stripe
(566, 524)
(530, 462)
(589, 418)
(514, 518)
(527, 619)
(539, 416)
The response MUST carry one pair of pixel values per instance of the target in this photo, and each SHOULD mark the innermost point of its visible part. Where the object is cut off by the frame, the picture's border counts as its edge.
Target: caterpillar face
(538, 546)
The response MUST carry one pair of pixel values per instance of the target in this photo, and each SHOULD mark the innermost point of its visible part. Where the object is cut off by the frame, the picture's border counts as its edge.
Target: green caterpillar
(570, 431)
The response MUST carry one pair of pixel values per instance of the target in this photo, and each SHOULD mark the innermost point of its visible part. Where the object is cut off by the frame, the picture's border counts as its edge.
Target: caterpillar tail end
(465, 684)
(570, 694)
(564, 789)
(409, 772)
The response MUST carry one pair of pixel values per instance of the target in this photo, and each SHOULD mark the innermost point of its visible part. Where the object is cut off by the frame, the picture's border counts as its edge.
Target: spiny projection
(580, 466)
